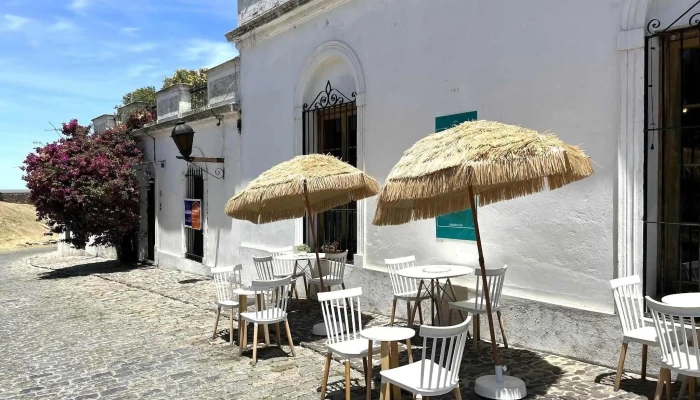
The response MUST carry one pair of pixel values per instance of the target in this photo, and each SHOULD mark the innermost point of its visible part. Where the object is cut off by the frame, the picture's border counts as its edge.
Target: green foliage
(147, 94)
(188, 76)
(303, 248)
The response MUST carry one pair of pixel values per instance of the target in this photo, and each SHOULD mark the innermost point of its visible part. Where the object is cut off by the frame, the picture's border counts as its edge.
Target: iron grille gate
(330, 127)
(194, 238)
(672, 155)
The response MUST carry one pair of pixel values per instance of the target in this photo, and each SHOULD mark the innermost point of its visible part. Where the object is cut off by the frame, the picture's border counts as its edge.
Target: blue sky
(63, 59)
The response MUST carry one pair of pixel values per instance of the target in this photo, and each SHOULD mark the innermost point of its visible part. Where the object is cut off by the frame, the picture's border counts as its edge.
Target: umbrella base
(511, 387)
(320, 329)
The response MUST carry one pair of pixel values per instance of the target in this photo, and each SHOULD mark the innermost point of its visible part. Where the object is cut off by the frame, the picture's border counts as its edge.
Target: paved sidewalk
(103, 329)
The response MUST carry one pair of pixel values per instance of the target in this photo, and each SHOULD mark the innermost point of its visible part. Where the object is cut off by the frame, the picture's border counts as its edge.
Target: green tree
(147, 94)
(189, 76)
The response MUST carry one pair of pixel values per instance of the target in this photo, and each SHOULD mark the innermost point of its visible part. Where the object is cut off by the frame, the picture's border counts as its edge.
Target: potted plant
(302, 248)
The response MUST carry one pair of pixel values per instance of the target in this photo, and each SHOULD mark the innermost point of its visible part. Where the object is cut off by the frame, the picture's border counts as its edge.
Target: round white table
(682, 299)
(389, 336)
(299, 270)
(434, 273)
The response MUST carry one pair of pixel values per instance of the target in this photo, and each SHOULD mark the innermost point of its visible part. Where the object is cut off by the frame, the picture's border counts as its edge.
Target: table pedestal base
(511, 387)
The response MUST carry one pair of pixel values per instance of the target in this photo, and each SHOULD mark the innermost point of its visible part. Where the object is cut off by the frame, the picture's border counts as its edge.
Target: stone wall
(15, 197)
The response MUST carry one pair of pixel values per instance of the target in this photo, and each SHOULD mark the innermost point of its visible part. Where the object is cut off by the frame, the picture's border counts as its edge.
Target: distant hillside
(18, 225)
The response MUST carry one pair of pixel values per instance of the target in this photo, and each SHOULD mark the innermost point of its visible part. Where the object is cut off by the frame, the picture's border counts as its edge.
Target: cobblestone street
(88, 328)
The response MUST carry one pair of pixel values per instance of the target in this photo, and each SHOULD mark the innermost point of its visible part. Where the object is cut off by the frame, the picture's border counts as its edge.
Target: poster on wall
(193, 214)
(457, 225)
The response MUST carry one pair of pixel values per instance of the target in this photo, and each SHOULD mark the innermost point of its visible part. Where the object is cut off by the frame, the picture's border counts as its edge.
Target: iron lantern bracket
(219, 173)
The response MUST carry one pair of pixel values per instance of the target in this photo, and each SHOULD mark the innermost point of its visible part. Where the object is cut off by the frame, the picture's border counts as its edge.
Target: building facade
(364, 80)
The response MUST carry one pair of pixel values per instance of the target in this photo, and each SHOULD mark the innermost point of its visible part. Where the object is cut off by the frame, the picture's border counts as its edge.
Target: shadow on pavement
(636, 385)
(105, 267)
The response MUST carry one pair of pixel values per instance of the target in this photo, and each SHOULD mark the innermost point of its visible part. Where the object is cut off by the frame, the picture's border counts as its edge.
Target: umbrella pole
(485, 287)
(313, 233)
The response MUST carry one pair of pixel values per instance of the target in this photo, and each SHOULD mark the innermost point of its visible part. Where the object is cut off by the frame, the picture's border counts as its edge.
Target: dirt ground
(18, 225)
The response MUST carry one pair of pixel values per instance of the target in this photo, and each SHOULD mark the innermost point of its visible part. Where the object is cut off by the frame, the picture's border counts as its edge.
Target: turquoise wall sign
(457, 225)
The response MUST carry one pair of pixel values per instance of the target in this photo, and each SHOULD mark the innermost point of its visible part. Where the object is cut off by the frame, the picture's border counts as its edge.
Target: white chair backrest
(494, 281)
(341, 308)
(226, 280)
(677, 335)
(265, 268)
(336, 264)
(627, 292)
(275, 294)
(283, 267)
(400, 284)
(446, 346)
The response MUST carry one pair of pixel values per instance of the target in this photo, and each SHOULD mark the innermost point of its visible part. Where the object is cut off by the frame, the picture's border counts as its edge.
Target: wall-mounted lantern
(183, 136)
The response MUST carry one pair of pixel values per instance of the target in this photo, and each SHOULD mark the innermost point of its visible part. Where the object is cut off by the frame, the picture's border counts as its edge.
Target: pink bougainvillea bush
(85, 182)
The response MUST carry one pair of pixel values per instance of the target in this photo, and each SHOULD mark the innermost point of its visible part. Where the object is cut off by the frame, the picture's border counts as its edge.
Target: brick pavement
(86, 328)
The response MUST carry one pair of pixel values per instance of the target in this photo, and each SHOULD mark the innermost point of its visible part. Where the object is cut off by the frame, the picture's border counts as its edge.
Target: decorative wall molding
(630, 144)
(283, 22)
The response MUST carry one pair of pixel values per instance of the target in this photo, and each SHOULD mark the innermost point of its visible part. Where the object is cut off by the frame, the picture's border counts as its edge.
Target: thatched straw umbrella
(445, 172)
(306, 184)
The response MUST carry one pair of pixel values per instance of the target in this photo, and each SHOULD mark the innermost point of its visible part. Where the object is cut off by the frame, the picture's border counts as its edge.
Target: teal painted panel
(448, 121)
(457, 225)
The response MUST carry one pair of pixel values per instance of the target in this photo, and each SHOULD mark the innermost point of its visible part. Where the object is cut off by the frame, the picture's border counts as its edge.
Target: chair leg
(620, 366)
(289, 337)
(475, 329)
(347, 379)
(266, 329)
(325, 375)
(216, 323)
(243, 329)
(255, 344)
(420, 313)
(408, 309)
(644, 361)
(660, 384)
(692, 387)
(683, 386)
(668, 384)
(503, 329)
(230, 327)
(279, 335)
(393, 312)
(458, 393)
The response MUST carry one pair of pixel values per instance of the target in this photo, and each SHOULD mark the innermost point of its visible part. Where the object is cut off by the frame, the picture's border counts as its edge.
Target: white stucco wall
(550, 67)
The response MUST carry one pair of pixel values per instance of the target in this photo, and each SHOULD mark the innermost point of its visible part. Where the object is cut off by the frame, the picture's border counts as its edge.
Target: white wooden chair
(265, 268)
(404, 288)
(226, 280)
(438, 371)
(270, 309)
(477, 304)
(627, 292)
(677, 334)
(342, 309)
(284, 268)
(333, 277)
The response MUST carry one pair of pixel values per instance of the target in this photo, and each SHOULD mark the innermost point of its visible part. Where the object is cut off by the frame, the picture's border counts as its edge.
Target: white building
(576, 68)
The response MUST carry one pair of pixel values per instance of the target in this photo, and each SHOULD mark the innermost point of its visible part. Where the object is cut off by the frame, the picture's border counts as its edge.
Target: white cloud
(78, 5)
(129, 30)
(62, 25)
(12, 22)
(140, 47)
(139, 70)
(209, 53)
